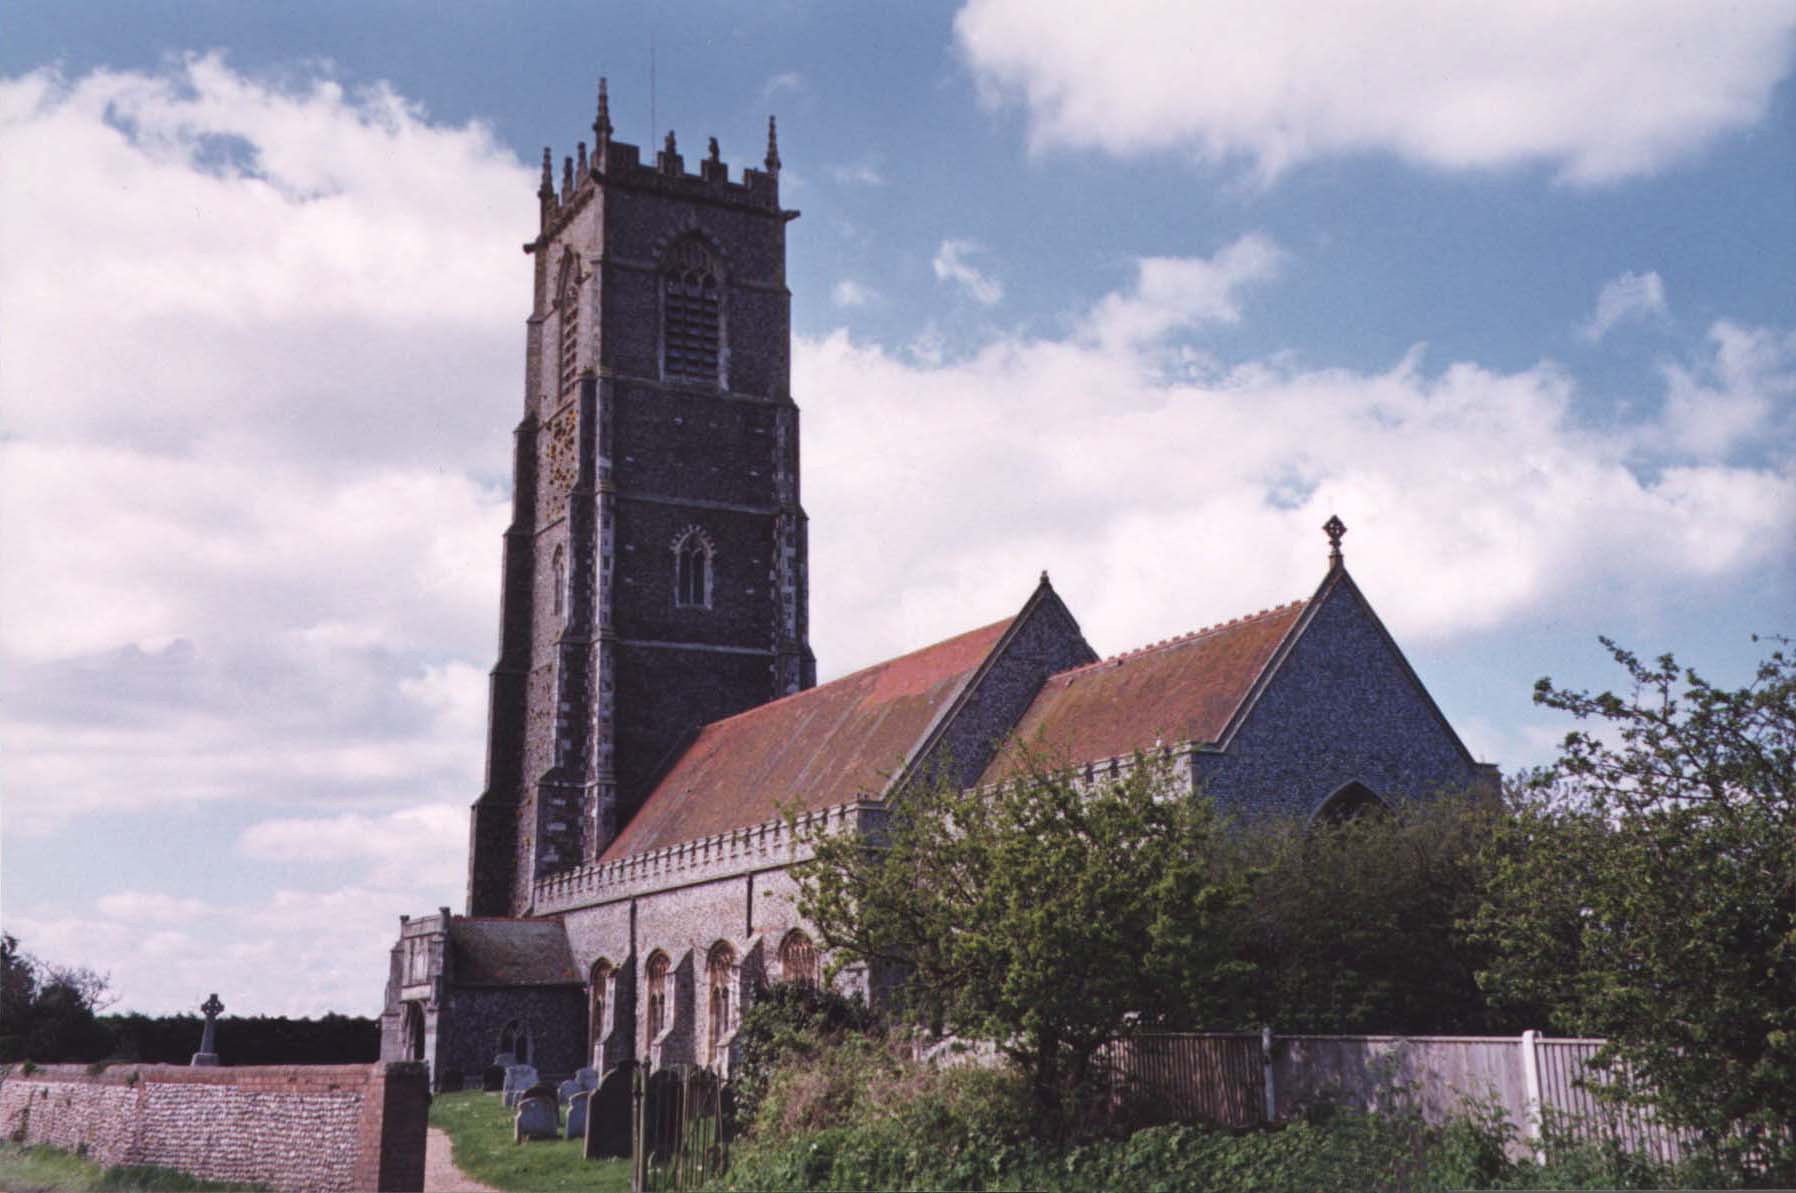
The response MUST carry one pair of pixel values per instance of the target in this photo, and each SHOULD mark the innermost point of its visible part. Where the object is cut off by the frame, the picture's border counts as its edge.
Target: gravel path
(440, 1173)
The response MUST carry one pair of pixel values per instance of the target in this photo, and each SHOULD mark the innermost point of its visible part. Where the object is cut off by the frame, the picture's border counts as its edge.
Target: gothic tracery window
(720, 971)
(692, 569)
(656, 975)
(691, 313)
(798, 958)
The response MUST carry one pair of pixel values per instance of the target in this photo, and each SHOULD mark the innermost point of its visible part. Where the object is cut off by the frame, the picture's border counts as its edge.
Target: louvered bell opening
(693, 319)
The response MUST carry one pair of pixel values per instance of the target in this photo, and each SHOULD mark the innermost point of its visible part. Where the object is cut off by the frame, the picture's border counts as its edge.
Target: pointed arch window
(601, 1003)
(693, 552)
(1348, 804)
(558, 580)
(691, 313)
(567, 303)
(720, 972)
(657, 980)
(798, 958)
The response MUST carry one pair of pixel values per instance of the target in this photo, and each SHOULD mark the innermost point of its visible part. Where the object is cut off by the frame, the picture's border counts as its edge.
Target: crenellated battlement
(620, 164)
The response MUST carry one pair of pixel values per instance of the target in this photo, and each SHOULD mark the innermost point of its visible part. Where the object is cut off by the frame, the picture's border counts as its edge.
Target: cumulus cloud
(1162, 500)
(251, 538)
(951, 265)
(1742, 395)
(1175, 292)
(1597, 91)
(786, 80)
(1631, 296)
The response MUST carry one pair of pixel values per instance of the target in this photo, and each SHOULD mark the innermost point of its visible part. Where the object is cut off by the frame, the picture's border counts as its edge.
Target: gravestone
(608, 1115)
(505, 1060)
(576, 1114)
(519, 1078)
(587, 1079)
(566, 1090)
(537, 1118)
(452, 1081)
(492, 1079)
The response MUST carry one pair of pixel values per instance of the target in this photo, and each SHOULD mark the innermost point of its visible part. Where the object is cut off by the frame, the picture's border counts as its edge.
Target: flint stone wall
(291, 1127)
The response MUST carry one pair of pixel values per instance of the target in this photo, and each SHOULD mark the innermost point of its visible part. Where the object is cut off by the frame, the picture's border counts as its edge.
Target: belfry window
(692, 569)
(567, 302)
(691, 314)
(657, 981)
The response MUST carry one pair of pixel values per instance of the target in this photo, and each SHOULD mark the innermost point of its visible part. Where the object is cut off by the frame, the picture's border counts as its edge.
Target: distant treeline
(255, 1040)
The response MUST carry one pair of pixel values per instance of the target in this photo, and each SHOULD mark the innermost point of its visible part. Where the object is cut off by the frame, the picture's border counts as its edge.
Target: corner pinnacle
(773, 147)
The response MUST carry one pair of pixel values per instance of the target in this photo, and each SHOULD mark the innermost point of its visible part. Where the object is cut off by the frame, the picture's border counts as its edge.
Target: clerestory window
(691, 314)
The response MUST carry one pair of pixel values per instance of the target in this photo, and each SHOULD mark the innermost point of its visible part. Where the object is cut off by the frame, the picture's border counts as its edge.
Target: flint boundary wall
(331, 1128)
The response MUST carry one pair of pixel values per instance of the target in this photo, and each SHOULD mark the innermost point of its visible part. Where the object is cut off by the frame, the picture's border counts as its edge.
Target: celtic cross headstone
(208, 1053)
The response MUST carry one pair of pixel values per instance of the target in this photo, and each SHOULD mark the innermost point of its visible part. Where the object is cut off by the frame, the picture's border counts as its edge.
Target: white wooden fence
(1245, 1080)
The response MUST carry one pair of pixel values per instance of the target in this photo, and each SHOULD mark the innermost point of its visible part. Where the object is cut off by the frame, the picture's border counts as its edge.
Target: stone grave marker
(519, 1078)
(492, 1079)
(587, 1079)
(608, 1115)
(537, 1118)
(566, 1090)
(576, 1114)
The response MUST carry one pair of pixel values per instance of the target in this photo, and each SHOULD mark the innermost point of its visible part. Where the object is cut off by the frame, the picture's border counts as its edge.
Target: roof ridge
(840, 679)
(1180, 639)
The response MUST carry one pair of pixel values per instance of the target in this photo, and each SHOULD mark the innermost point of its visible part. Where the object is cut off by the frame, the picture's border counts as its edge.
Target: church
(655, 720)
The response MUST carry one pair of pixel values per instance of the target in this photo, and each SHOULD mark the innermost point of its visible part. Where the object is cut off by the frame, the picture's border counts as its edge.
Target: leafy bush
(790, 1020)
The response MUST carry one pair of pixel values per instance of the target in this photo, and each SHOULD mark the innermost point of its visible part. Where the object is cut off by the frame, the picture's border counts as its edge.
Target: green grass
(480, 1126)
(40, 1169)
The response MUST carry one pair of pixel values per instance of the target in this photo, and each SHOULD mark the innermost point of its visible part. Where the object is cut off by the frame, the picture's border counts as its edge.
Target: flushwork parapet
(769, 845)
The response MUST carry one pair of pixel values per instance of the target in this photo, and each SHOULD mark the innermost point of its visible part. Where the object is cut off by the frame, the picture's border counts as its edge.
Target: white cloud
(1627, 297)
(850, 293)
(1174, 292)
(1744, 396)
(1162, 501)
(951, 265)
(1598, 90)
(421, 843)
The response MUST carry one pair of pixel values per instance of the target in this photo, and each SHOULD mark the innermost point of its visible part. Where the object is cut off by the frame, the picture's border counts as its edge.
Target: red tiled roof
(1181, 690)
(813, 750)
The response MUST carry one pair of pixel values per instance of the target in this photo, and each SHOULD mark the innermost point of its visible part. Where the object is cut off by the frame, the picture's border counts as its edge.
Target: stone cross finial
(1334, 528)
(712, 153)
(773, 147)
(212, 1008)
(670, 142)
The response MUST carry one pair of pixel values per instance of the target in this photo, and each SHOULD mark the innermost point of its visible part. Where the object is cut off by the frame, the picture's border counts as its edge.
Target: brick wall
(290, 1127)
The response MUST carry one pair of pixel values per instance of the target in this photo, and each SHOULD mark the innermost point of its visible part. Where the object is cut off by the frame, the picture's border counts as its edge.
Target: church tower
(654, 568)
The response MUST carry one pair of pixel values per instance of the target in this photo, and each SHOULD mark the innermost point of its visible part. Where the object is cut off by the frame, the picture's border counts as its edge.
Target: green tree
(1352, 926)
(1645, 890)
(47, 1012)
(1045, 915)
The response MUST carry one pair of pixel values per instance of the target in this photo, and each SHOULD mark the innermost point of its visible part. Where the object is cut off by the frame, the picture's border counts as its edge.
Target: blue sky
(1139, 299)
